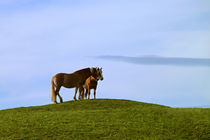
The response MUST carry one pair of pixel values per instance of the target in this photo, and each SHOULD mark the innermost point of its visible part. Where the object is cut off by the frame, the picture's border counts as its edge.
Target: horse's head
(97, 73)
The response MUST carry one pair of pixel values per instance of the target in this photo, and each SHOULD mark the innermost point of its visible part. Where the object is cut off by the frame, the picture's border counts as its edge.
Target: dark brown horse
(73, 80)
(91, 83)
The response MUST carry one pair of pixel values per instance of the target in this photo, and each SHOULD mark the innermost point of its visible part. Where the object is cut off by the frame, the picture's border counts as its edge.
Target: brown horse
(75, 79)
(90, 83)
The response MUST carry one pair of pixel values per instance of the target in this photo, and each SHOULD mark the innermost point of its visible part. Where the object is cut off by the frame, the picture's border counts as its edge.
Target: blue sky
(41, 38)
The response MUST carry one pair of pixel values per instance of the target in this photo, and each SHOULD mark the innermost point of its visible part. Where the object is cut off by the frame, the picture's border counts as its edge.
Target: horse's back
(82, 71)
(67, 80)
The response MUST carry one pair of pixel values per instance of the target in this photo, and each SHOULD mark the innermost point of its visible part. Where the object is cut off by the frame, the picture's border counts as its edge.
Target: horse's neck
(92, 78)
(87, 74)
(84, 72)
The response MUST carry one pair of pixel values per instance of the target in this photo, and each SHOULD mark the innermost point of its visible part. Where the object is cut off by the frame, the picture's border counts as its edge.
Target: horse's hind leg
(75, 93)
(61, 100)
(57, 93)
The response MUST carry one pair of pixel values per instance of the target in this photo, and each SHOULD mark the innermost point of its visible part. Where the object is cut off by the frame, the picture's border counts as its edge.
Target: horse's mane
(82, 70)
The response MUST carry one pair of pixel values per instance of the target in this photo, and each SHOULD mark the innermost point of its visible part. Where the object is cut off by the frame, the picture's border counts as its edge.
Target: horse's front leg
(75, 93)
(94, 93)
(81, 93)
(88, 92)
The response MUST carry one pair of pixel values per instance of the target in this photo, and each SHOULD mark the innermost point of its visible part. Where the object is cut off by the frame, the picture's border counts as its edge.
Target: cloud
(157, 60)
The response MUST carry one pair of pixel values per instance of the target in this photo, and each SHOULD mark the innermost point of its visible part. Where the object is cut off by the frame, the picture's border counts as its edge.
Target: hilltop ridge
(104, 119)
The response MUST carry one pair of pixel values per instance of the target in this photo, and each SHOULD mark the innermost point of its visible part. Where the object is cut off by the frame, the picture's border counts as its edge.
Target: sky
(154, 51)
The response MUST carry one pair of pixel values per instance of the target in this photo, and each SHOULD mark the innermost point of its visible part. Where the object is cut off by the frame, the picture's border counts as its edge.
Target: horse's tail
(53, 95)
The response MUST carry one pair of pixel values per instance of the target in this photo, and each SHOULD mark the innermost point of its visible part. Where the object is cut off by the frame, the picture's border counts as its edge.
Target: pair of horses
(75, 80)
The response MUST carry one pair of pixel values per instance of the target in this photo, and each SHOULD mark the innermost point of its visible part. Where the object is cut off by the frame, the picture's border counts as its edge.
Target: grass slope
(104, 119)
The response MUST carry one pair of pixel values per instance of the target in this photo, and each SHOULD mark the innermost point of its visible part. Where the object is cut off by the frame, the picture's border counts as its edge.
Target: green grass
(105, 119)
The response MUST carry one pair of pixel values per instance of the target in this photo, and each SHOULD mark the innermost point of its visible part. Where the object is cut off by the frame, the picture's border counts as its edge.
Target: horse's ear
(91, 70)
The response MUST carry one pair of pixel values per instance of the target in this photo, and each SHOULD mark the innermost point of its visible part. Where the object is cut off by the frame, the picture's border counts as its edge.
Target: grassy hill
(104, 119)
